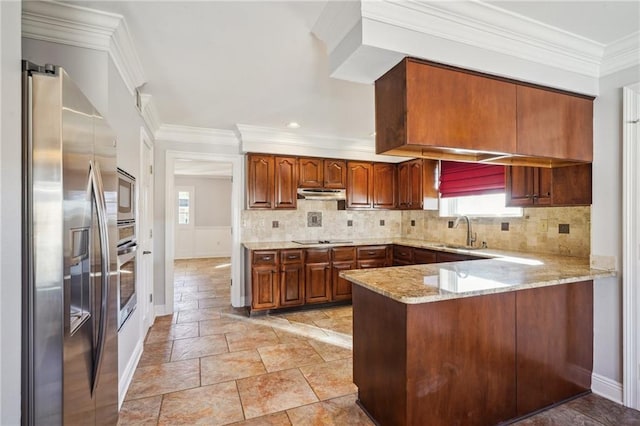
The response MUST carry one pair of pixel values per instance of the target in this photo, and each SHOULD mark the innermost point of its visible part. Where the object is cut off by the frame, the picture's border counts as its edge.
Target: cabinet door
(519, 186)
(404, 186)
(555, 125)
(260, 181)
(286, 179)
(451, 108)
(572, 185)
(292, 284)
(384, 186)
(424, 256)
(310, 172)
(542, 186)
(415, 185)
(359, 185)
(554, 341)
(317, 282)
(335, 174)
(341, 289)
(264, 281)
(372, 263)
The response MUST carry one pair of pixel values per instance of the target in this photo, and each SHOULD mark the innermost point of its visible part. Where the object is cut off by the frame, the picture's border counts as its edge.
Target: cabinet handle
(292, 256)
(528, 196)
(371, 252)
(266, 258)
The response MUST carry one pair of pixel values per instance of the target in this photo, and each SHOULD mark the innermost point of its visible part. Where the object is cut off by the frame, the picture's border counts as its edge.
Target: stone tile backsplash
(294, 224)
(536, 231)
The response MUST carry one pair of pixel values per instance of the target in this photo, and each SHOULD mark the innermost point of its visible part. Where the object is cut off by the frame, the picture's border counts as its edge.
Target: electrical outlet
(563, 228)
(413, 222)
(450, 224)
(275, 224)
(504, 226)
(543, 225)
(349, 222)
(381, 222)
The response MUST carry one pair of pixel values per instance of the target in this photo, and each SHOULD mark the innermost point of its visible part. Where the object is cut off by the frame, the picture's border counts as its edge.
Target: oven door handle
(127, 249)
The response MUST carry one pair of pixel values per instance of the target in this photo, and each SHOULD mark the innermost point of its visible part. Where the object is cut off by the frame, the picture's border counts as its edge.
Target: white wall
(210, 233)
(10, 196)
(606, 221)
(212, 199)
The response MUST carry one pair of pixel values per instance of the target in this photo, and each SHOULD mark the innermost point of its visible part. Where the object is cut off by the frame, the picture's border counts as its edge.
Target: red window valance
(458, 179)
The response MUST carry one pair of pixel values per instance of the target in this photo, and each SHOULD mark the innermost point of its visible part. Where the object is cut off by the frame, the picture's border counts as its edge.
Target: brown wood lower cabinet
(291, 278)
(264, 279)
(343, 259)
(317, 273)
(472, 361)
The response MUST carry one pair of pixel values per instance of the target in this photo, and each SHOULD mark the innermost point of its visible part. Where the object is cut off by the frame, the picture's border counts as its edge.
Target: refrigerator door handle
(101, 209)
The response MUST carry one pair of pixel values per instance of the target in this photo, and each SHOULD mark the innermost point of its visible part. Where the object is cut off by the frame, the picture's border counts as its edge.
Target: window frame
(192, 200)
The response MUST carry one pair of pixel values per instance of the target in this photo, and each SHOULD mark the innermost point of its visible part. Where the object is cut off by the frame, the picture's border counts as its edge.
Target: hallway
(210, 364)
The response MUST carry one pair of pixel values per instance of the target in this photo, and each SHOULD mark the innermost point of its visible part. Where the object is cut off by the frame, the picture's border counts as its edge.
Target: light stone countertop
(501, 271)
(454, 280)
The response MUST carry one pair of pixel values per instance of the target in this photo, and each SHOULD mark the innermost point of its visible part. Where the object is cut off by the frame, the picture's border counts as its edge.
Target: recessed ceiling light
(293, 125)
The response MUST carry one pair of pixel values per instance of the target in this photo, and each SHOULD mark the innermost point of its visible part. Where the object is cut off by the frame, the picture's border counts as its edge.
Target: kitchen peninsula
(472, 343)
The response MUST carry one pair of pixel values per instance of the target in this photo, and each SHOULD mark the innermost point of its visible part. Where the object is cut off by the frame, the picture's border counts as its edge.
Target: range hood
(321, 194)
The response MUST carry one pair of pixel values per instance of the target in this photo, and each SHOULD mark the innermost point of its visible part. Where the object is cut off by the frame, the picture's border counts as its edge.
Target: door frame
(146, 142)
(630, 245)
(237, 184)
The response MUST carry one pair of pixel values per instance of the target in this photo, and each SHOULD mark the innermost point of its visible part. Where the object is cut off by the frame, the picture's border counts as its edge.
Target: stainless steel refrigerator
(70, 346)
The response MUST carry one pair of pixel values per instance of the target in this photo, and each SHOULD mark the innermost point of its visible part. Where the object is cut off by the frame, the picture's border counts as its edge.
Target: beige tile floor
(210, 364)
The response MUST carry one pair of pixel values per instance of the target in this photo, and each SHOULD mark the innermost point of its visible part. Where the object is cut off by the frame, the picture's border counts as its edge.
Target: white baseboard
(123, 386)
(606, 388)
(159, 310)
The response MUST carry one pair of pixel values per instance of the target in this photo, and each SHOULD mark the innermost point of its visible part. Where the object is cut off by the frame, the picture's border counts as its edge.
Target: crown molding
(72, 25)
(488, 27)
(149, 113)
(202, 135)
(275, 141)
(621, 54)
(336, 20)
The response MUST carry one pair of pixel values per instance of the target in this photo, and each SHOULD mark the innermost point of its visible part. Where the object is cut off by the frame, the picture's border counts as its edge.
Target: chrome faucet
(470, 237)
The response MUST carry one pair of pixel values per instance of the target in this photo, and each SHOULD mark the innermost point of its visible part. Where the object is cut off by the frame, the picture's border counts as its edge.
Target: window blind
(459, 179)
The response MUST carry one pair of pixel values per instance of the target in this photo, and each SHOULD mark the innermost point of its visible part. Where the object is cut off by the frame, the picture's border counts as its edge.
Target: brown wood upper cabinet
(271, 181)
(371, 185)
(554, 125)
(416, 184)
(535, 186)
(322, 173)
(420, 105)
(431, 110)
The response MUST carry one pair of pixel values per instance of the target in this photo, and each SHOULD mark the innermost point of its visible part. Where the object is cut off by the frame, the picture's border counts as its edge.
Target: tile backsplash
(536, 231)
(331, 223)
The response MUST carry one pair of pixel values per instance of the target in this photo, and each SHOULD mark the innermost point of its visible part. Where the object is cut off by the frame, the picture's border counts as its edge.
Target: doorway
(171, 211)
(145, 231)
(631, 246)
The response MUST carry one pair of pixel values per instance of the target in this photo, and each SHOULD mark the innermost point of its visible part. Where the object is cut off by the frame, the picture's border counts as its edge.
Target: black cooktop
(309, 242)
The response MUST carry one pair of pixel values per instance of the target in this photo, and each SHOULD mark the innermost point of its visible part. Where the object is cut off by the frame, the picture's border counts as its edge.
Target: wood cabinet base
(471, 361)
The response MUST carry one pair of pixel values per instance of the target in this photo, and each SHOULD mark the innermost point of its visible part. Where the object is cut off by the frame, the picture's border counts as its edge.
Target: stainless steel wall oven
(127, 247)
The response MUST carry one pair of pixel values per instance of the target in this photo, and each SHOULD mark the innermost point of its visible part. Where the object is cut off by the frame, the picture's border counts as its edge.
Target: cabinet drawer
(265, 257)
(371, 263)
(317, 255)
(372, 252)
(291, 256)
(344, 254)
(402, 253)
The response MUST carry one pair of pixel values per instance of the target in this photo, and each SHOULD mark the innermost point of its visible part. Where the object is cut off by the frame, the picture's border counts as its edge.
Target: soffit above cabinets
(369, 38)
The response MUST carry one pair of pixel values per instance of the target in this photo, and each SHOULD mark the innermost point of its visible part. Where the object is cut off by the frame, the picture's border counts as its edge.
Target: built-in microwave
(126, 196)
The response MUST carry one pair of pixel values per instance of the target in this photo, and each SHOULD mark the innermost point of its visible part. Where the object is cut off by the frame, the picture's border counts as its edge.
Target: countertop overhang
(500, 271)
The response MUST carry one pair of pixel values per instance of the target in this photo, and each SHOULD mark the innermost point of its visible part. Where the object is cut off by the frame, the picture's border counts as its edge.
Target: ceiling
(217, 64)
(196, 168)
